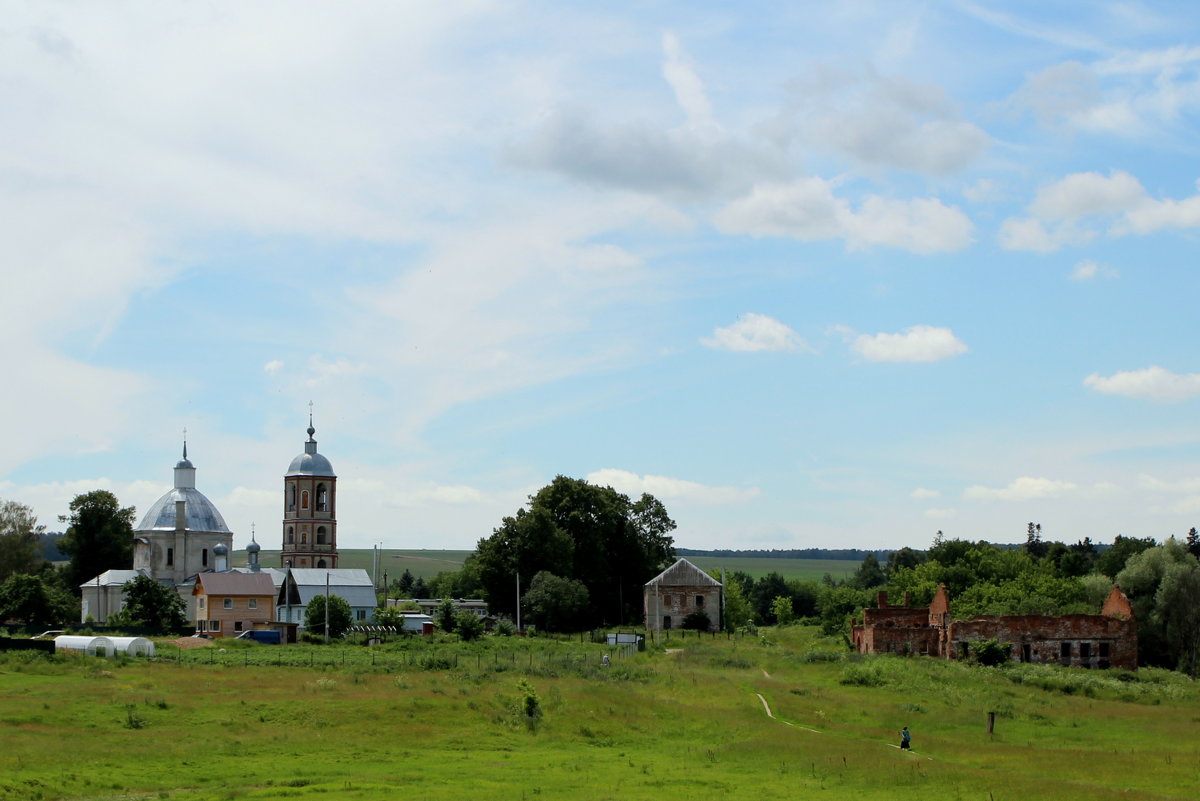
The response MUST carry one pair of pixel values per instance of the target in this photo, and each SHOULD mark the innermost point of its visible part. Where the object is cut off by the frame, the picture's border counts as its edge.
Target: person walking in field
(905, 739)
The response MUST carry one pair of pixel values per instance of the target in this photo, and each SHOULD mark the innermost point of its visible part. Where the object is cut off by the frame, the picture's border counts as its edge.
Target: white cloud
(941, 514)
(808, 210)
(1187, 486)
(1089, 270)
(670, 489)
(680, 73)
(918, 343)
(1025, 488)
(1084, 193)
(755, 332)
(1075, 208)
(880, 120)
(1152, 383)
(273, 367)
(921, 494)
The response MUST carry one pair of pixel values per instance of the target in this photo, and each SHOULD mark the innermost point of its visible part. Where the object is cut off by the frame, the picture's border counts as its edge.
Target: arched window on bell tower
(292, 498)
(291, 535)
(304, 499)
(322, 498)
(321, 540)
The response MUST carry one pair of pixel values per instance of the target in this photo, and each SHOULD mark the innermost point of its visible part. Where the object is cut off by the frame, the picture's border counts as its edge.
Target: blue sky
(821, 275)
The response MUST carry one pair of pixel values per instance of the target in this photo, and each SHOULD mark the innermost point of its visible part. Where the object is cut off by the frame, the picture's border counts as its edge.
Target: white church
(183, 535)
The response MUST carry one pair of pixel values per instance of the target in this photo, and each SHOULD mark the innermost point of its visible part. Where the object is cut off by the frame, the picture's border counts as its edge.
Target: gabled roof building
(679, 591)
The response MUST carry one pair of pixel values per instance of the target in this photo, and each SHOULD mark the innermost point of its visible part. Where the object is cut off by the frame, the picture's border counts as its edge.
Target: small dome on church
(184, 463)
(220, 550)
(253, 547)
(311, 463)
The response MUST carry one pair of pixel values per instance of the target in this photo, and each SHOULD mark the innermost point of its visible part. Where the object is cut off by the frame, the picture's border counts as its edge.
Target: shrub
(697, 621)
(990, 652)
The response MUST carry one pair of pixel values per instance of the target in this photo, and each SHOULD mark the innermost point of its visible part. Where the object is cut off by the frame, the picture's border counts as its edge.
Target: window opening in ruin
(1085, 650)
(1104, 650)
(964, 650)
(666, 621)
(1064, 650)
(1026, 652)
(699, 601)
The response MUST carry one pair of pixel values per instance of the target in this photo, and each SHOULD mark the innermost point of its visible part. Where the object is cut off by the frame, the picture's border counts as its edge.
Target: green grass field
(428, 563)
(433, 723)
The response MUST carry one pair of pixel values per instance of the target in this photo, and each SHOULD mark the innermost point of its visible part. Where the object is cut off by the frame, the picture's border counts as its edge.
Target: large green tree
(34, 601)
(1144, 574)
(340, 616)
(152, 604)
(579, 531)
(554, 603)
(99, 536)
(20, 540)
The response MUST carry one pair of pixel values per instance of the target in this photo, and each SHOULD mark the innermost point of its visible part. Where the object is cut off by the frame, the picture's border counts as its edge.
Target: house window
(237, 625)
(202, 599)
(252, 603)
(304, 500)
(361, 614)
(214, 625)
(699, 601)
(228, 603)
(170, 557)
(322, 498)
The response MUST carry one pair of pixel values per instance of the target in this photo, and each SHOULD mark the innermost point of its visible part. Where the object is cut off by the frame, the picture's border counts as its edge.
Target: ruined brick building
(1108, 639)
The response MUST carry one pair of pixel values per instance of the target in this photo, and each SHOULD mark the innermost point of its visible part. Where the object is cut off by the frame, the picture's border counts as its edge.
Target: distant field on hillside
(428, 563)
(422, 563)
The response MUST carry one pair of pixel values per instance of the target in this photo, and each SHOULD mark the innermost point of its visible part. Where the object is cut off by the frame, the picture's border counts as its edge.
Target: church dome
(311, 463)
(220, 550)
(199, 512)
(253, 547)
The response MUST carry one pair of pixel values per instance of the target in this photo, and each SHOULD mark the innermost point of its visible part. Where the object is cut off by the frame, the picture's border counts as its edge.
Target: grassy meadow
(448, 722)
(428, 563)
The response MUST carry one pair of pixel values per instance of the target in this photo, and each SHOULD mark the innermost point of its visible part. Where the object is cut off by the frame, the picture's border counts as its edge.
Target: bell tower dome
(309, 509)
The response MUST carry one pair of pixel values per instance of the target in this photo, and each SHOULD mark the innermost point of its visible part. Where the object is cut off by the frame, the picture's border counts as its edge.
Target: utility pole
(327, 607)
(518, 601)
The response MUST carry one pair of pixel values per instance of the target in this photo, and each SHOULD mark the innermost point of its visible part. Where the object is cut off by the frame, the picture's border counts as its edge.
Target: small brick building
(679, 591)
(1108, 639)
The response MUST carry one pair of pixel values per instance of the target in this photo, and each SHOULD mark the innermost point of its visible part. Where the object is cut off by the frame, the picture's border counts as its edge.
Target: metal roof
(236, 583)
(353, 584)
(200, 513)
(114, 578)
(683, 574)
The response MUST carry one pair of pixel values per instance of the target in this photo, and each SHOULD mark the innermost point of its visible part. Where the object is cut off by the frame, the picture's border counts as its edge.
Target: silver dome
(200, 513)
(310, 464)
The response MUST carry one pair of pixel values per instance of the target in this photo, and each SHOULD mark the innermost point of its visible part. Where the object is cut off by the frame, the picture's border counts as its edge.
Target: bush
(990, 652)
(468, 625)
(697, 621)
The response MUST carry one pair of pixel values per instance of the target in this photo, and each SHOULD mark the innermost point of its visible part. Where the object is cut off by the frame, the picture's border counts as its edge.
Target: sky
(812, 274)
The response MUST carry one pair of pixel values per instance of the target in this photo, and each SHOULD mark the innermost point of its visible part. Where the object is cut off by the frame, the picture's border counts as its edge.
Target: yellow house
(229, 603)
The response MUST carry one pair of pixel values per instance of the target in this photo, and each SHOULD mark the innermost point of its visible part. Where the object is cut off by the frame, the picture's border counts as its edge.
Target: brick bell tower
(309, 509)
